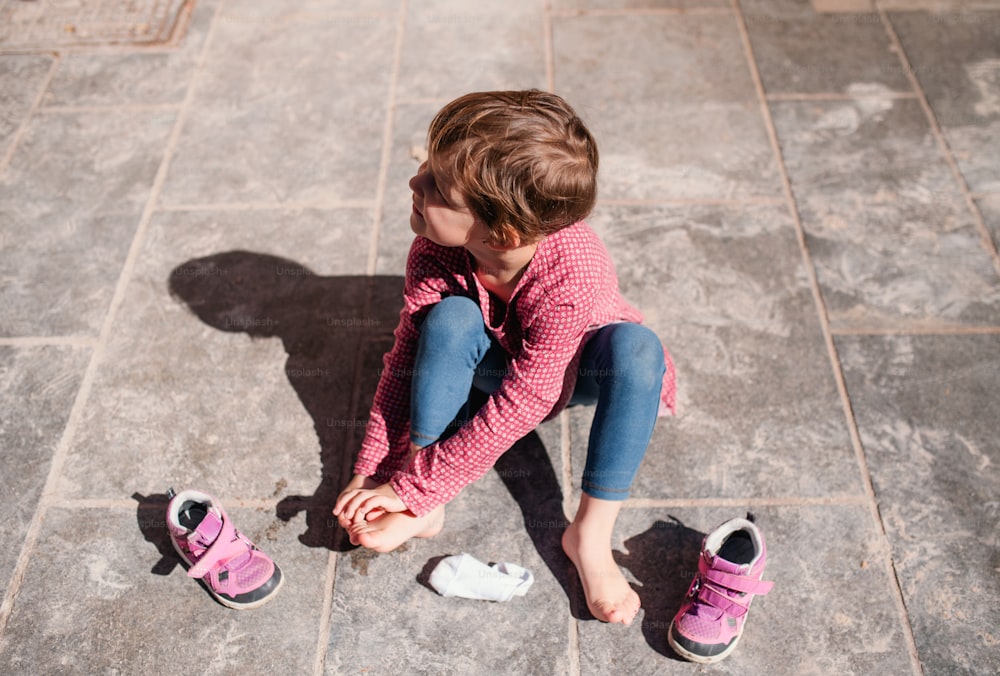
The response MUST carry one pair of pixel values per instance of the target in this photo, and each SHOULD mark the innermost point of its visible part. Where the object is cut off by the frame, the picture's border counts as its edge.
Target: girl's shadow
(334, 329)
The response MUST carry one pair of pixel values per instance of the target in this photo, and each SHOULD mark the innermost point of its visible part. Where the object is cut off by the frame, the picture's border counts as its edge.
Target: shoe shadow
(664, 560)
(334, 330)
(151, 515)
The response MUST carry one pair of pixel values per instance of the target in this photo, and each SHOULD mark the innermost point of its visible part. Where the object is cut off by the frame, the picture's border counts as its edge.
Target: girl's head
(523, 162)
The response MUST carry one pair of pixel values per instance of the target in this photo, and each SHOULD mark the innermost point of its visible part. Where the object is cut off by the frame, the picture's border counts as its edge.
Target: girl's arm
(385, 448)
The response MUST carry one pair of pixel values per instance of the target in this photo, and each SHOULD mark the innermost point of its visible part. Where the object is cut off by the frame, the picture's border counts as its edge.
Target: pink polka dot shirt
(567, 292)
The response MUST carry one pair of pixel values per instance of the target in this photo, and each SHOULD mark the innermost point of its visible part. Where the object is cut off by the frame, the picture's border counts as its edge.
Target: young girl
(508, 291)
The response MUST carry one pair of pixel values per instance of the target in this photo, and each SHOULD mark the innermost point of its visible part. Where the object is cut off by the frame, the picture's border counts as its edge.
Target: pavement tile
(261, 136)
(444, 52)
(956, 58)
(671, 103)
(387, 620)
(726, 291)
(868, 175)
(144, 78)
(105, 593)
(70, 202)
(926, 412)
(824, 53)
(830, 611)
(37, 388)
(248, 390)
(21, 78)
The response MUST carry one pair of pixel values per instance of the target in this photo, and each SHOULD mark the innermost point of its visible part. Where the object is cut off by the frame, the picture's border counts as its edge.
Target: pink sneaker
(709, 624)
(231, 567)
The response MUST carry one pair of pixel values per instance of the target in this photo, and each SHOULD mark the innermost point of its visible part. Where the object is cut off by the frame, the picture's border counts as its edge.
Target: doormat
(28, 26)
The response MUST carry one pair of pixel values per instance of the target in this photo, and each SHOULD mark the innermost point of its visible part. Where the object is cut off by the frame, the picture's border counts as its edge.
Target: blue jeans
(621, 370)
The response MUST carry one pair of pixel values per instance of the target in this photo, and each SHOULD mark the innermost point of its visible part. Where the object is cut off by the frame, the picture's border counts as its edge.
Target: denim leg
(622, 369)
(453, 341)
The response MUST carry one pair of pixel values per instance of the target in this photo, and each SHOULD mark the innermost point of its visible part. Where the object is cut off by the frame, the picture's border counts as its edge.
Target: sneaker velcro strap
(226, 547)
(712, 597)
(740, 583)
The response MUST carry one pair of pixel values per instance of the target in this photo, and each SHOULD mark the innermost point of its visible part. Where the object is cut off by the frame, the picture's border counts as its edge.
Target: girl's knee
(453, 318)
(637, 353)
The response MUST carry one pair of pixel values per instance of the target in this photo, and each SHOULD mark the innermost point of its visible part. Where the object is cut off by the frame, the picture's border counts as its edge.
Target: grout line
(325, 621)
(266, 206)
(48, 495)
(786, 501)
(22, 128)
(986, 237)
(923, 331)
(694, 201)
(836, 96)
(387, 134)
(548, 46)
(48, 341)
(837, 369)
(643, 11)
(573, 646)
(565, 447)
(566, 485)
(125, 107)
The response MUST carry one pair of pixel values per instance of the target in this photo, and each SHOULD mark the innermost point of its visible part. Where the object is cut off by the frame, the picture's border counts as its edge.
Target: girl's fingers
(338, 506)
(368, 504)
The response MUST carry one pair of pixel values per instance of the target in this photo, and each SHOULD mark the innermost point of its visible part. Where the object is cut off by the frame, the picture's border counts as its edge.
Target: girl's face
(439, 212)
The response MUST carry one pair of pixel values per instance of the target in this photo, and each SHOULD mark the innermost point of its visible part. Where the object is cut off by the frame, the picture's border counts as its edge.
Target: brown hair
(523, 160)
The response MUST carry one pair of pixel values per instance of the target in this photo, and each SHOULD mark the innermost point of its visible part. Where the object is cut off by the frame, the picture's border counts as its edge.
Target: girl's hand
(359, 503)
(359, 481)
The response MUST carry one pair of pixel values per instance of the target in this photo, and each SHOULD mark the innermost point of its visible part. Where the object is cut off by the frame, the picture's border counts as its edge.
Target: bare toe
(610, 597)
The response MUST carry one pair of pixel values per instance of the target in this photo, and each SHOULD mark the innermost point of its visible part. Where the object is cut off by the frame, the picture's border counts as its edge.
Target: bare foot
(391, 530)
(609, 595)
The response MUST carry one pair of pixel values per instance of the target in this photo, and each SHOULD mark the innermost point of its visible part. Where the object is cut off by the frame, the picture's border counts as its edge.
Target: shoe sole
(694, 657)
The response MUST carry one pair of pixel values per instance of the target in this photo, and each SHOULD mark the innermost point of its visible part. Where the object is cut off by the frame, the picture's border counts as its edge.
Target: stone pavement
(202, 245)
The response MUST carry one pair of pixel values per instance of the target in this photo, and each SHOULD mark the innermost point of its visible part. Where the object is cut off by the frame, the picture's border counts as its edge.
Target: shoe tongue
(207, 530)
(725, 566)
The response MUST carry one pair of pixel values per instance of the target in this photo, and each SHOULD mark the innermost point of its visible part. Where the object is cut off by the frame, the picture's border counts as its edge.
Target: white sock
(463, 575)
